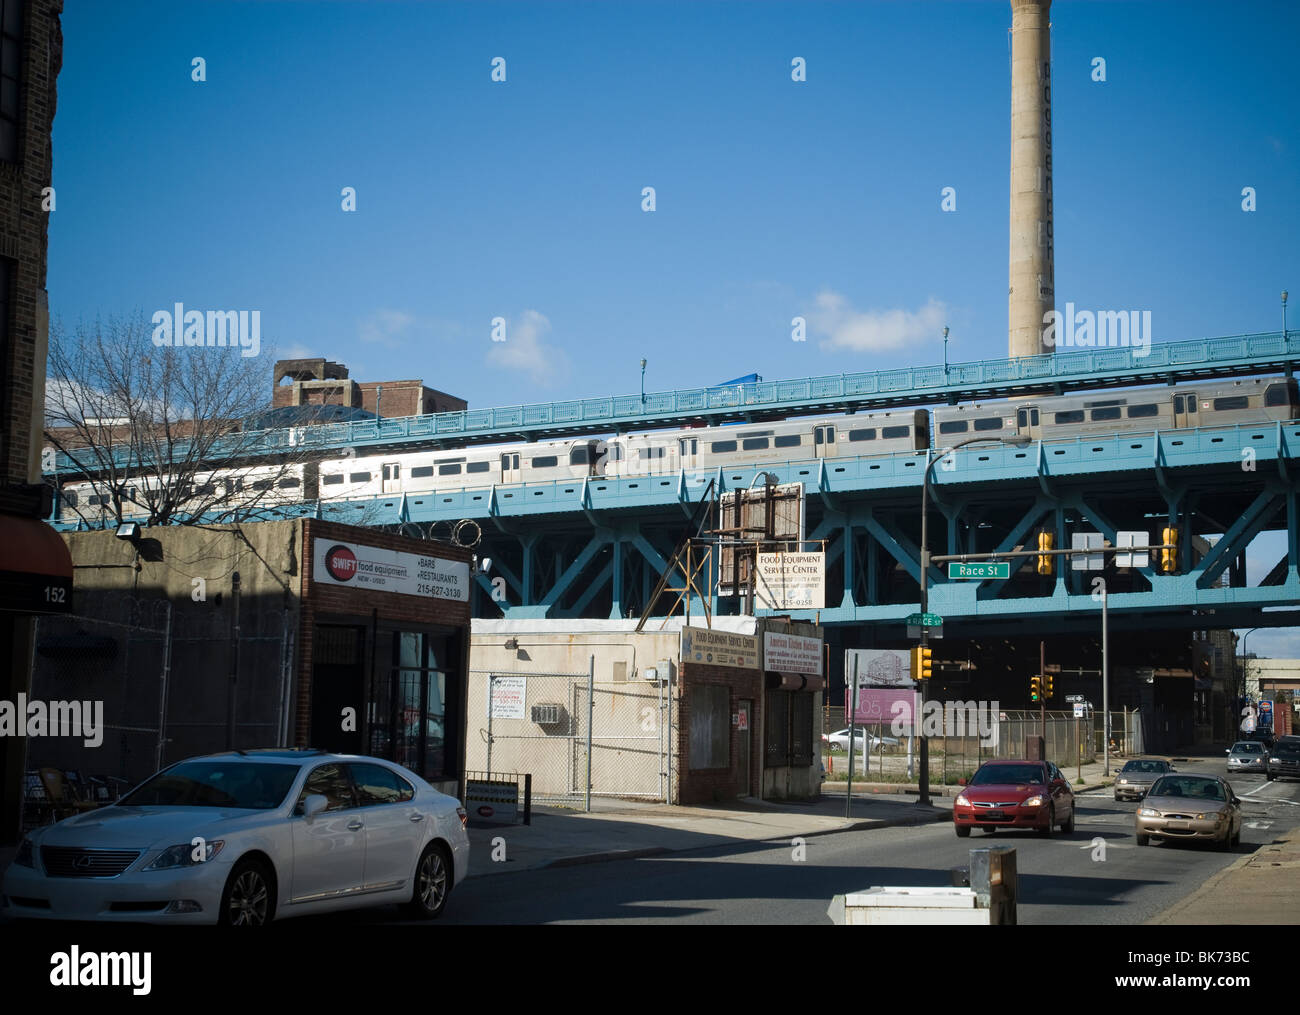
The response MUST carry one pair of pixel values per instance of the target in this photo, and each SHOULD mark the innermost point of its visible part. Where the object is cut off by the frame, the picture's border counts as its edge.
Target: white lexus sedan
(245, 838)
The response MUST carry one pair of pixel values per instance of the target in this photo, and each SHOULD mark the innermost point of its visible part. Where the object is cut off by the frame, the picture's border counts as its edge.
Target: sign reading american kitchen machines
(792, 653)
(791, 581)
(369, 567)
(719, 648)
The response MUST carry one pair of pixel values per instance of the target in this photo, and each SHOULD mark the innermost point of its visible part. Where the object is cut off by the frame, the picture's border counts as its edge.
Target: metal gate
(577, 738)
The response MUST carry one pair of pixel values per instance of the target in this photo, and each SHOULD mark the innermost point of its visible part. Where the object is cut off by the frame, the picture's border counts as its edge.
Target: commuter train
(1052, 418)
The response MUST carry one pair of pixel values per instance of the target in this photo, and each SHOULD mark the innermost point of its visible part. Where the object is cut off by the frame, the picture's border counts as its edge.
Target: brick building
(321, 382)
(35, 575)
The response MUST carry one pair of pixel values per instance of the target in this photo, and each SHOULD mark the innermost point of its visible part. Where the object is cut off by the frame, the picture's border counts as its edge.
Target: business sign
(879, 705)
(1266, 714)
(506, 697)
(792, 653)
(719, 648)
(492, 800)
(379, 570)
(878, 667)
(791, 581)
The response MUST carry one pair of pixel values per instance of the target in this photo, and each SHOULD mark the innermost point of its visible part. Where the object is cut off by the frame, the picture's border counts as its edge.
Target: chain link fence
(569, 732)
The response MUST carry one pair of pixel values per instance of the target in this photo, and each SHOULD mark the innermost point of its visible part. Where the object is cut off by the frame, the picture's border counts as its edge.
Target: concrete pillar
(1031, 293)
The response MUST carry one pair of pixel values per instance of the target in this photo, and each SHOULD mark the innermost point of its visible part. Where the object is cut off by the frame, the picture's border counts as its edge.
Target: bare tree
(157, 430)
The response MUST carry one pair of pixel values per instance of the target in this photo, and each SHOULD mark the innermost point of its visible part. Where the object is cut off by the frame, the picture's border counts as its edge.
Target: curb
(607, 855)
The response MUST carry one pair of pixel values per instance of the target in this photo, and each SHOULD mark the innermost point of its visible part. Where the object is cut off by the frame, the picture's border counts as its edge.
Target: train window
(1137, 411)
(96, 500)
(890, 432)
(989, 423)
(336, 479)
(790, 440)
(954, 426)
(546, 462)
(823, 435)
(1073, 416)
(1191, 403)
(645, 454)
(422, 472)
(261, 484)
(1110, 412)
(359, 477)
(207, 489)
(288, 483)
(1231, 402)
(755, 444)
(862, 435)
(578, 456)
(478, 466)
(454, 469)
(1277, 394)
(69, 498)
(722, 447)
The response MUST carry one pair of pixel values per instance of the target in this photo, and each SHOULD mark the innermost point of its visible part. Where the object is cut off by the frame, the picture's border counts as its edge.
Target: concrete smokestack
(1032, 287)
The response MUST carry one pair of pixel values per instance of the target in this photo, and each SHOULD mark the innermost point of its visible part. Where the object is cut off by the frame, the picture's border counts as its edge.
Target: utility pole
(853, 716)
(1105, 684)
(1042, 697)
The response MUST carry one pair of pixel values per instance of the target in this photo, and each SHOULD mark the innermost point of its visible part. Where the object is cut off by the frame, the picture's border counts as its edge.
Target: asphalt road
(1063, 880)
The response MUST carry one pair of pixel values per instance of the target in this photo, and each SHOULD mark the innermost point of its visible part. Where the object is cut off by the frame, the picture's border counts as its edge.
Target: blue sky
(523, 199)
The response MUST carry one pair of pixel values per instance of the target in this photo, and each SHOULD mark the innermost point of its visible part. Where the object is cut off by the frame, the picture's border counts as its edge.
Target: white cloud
(525, 349)
(389, 328)
(843, 327)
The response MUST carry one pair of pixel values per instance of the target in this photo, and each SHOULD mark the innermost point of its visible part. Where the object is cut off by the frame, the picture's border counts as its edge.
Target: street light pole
(925, 580)
(643, 382)
(1284, 315)
(945, 347)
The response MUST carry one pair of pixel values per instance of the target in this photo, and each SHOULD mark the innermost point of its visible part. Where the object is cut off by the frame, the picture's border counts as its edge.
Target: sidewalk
(1260, 889)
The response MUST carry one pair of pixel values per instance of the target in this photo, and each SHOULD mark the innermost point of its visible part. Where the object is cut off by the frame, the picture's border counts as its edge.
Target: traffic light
(1045, 541)
(1047, 691)
(922, 663)
(1035, 688)
(1169, 555)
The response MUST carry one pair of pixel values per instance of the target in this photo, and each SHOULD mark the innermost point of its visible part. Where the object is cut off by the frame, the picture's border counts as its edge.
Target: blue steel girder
(1247, 526)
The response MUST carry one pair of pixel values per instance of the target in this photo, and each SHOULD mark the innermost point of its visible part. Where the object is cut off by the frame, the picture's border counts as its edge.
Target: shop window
(789, 729)
(778, 729)
(801, 730)
(710, 726)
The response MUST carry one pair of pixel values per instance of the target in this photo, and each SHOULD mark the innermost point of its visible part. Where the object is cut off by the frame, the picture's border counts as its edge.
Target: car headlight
(1148, 812)
(1123, 782)
(26, 855)
(1033, 801)
(961, 800)
(182, 855)
(1274, 760)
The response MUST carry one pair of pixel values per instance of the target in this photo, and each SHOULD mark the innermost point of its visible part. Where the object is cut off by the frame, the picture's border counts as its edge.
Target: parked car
(1015, 794)
(1263, 736)
(245, 838)
(1247, 756)
(1190, 807)
(1283, 759)
(839, 740)
(1136, 777)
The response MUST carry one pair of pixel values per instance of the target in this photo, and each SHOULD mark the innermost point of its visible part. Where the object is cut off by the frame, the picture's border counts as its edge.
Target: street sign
(1080, 710)
(981, 570)
(1141, 559)
(924, 620)
(1091, 561)
(914, 632)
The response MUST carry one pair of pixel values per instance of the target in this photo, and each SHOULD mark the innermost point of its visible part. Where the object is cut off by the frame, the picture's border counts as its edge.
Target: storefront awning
(35, 567)
(794, 682)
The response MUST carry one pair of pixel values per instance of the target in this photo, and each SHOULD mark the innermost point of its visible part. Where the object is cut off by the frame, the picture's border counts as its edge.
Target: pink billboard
(879, 705)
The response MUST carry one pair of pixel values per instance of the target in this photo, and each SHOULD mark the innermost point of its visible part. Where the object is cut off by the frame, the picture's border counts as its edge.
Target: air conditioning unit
(662, 670)
(546, 715)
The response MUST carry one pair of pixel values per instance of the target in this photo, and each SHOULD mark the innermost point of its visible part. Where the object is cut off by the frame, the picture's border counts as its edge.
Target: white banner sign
(878, 667)
(791, 581)
(506, 697)
(378, 570)
(792, 653)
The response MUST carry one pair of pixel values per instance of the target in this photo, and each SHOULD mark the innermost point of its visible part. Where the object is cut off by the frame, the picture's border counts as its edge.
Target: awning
(35, 567)
(794, 682)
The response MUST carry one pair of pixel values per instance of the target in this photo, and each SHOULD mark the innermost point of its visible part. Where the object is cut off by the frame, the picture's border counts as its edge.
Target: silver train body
(660, 452)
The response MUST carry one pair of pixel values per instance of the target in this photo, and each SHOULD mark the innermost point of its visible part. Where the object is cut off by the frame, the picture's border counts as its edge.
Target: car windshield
(991, 775)
(1251, 748)
(1144, 766)
(1187, 786)
(248, 785)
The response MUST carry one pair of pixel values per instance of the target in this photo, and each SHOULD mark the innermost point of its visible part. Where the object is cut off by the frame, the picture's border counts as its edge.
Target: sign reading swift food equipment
(379, 570)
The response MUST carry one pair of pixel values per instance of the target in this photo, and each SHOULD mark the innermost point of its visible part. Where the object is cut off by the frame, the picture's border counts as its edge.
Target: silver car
(1247, 756)
(1136, 777)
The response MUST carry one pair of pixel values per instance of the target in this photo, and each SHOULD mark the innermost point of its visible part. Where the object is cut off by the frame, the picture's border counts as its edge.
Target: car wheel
(1224, 844)
(1236, 839)
(432, 883)
(1068, 827)
(1051, 823)
(248, 899)
(963, 831)
(1271, 776)
(1143, 840)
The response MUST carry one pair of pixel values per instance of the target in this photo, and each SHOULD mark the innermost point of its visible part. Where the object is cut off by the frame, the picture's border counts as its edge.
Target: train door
(1185, 414)
(510, 472)
(689, 447)
(824, 441)
(392, 477)
(1027, 422)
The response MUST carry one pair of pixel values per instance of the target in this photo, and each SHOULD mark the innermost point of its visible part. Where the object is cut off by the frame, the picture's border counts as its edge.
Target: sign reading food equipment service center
(791, 581)
(719, 648)
(378, 570)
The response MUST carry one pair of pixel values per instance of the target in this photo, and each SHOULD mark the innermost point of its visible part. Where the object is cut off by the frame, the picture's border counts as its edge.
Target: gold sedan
(1190, 807)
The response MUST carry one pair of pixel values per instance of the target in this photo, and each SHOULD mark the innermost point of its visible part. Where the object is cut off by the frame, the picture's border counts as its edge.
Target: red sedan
(1015, 794)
